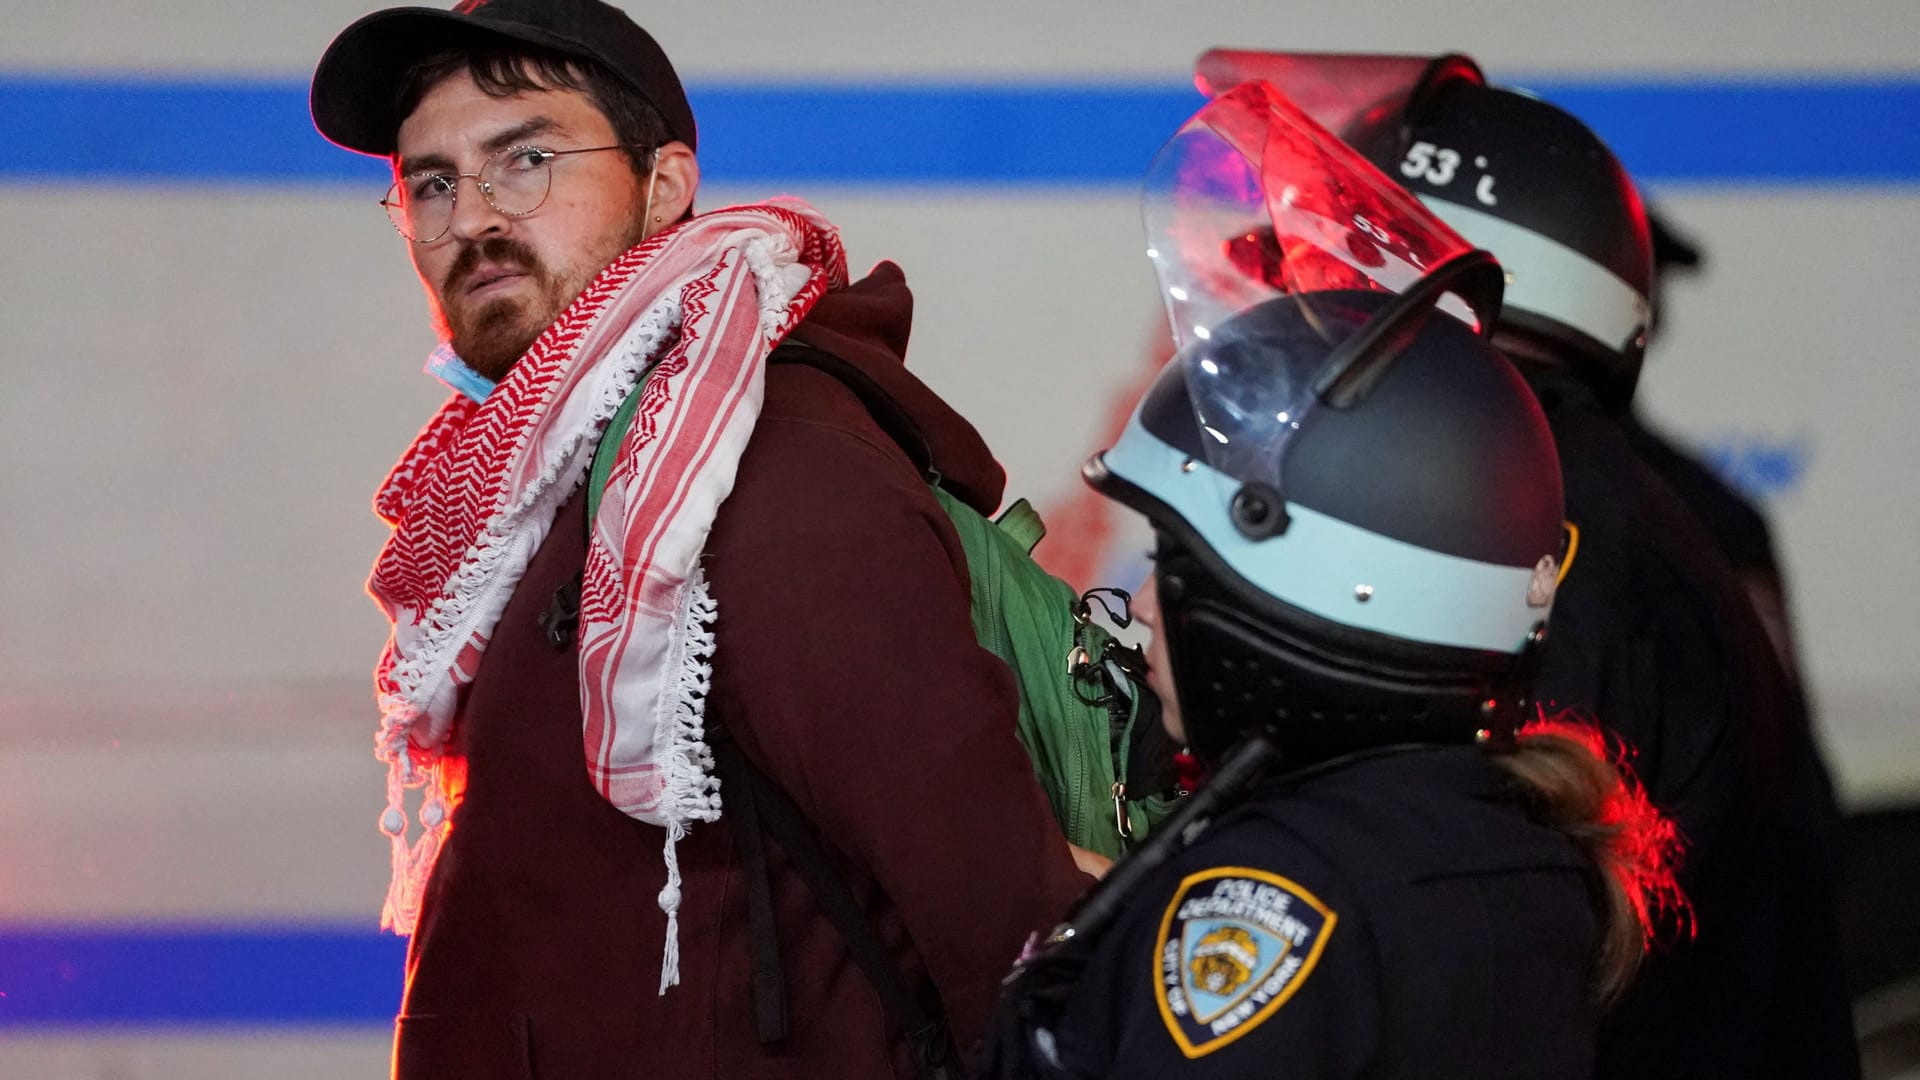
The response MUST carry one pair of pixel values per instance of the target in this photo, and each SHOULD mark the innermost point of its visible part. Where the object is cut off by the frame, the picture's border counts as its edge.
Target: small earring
(656, 219)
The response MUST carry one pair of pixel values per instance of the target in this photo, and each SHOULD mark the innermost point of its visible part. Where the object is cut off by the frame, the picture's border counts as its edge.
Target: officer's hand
(1091, 863)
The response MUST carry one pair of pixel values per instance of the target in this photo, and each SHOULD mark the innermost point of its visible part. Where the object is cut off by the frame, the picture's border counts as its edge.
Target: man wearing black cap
(751, 574)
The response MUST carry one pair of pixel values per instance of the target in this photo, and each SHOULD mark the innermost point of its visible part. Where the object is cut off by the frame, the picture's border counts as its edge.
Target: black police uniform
(1389, 914)
(1654, 636)
(1738, 528)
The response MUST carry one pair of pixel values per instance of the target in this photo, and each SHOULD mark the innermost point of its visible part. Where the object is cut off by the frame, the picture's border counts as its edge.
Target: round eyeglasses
(516, 181)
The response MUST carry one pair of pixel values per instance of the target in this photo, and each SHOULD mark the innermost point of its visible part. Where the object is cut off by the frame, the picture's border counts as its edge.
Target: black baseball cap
(356, 87)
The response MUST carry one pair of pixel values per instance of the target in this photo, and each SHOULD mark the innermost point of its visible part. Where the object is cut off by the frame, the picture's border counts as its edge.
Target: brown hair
(1573, 780)
(504, 72)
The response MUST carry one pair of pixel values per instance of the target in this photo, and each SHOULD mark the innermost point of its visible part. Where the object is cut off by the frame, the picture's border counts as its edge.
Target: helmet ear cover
(1245, 663)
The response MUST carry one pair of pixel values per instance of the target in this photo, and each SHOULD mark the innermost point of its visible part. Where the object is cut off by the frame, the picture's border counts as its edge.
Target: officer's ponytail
(1574, 785)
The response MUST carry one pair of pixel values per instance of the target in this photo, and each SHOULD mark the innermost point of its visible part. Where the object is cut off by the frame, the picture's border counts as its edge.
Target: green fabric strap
(1022, 522)
(609, 448)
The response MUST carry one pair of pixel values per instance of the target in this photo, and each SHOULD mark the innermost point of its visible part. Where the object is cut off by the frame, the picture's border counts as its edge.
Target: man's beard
(494, 334)
(491, 335)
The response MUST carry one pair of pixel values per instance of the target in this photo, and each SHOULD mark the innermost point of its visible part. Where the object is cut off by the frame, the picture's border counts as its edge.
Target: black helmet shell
(1529, 182)
(1403, 598)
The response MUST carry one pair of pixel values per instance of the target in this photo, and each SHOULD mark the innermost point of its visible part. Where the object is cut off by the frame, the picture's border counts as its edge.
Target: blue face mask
(445, 364)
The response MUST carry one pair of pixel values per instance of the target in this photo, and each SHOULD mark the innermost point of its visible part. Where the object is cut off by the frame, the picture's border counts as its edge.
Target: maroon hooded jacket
(846, 668)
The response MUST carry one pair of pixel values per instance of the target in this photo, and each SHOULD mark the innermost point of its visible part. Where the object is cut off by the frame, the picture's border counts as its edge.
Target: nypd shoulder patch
(1234, 945)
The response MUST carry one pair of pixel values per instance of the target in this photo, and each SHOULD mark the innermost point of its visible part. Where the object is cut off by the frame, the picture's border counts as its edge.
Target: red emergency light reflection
(1640, 846)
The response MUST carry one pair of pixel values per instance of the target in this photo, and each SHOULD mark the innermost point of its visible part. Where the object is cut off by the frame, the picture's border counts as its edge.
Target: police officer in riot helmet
(1388, 869)
(1653, 635)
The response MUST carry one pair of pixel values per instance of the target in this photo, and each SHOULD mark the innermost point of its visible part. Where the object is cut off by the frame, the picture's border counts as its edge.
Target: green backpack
(1101, 758)
(1078, 719)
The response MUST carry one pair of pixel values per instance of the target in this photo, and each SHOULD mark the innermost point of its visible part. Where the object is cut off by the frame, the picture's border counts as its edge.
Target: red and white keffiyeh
(474, 496)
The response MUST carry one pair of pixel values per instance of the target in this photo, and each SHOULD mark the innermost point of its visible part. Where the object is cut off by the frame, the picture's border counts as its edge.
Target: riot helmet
(1357, 499)
(1509, 172)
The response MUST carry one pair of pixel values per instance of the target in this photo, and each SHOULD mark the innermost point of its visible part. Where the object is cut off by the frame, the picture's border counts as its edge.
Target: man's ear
(676, 176)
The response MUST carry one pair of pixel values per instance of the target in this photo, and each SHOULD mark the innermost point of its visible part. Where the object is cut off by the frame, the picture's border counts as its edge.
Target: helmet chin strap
(1523, 349)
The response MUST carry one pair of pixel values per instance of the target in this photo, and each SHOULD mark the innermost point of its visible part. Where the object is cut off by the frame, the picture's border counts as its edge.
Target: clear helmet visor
(1277, 249)
(1345, 93)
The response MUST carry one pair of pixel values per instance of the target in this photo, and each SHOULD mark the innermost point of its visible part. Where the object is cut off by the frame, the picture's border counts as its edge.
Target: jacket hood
(867, 324)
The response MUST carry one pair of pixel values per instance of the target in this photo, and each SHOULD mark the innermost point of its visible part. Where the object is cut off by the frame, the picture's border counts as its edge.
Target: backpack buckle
(1122, 821)
(562, 616)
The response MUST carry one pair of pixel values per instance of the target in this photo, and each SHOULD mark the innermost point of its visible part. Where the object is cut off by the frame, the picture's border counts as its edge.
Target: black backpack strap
(752, 794)
(769, 977)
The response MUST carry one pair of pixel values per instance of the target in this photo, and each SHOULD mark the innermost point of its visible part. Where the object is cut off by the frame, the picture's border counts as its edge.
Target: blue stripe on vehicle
(119, 129)
(165, 976)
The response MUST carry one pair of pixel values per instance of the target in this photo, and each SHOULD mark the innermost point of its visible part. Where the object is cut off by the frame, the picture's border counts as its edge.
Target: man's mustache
(493, 251)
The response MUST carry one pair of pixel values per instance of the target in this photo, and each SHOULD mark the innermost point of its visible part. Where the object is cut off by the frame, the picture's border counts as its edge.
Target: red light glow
(1639, 847)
